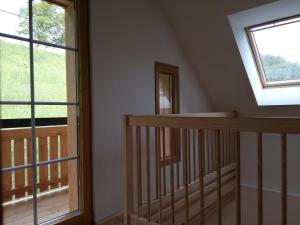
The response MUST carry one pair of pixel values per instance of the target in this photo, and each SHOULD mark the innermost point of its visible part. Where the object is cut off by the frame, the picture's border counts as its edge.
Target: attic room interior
(149, 112)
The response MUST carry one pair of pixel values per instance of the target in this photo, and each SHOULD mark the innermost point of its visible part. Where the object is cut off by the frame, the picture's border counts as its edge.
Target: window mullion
(33, 139)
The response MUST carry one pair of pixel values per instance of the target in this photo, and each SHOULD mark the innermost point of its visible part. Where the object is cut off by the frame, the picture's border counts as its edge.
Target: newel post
(127, 163)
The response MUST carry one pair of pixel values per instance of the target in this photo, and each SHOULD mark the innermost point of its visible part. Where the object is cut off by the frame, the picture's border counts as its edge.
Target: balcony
(56, 195)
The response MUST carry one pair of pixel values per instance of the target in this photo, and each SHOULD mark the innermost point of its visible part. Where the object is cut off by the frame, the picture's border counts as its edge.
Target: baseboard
(118, 216)
(275, 191)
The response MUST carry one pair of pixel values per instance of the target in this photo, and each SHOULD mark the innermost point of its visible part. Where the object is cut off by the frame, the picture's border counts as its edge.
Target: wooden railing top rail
(15, 133)
(208, 114)
(269, 125)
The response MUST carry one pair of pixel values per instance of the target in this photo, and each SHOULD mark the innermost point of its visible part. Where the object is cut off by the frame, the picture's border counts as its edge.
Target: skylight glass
(276, 48)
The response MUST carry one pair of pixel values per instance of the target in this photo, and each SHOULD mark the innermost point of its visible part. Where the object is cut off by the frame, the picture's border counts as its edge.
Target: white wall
(126, 38)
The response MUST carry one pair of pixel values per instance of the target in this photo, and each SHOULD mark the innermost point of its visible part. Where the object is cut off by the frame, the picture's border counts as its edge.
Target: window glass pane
(17, 195)
(14, 70)
(165, 93)
(14, 18)
(279, 51)
(61, 180)
(51, 111)
(16, 151)
(55, 79)
(53, 23)
(56, 136)
(15, 112)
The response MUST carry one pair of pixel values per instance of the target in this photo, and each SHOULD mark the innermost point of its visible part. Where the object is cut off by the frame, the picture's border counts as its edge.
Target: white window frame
(240, 21)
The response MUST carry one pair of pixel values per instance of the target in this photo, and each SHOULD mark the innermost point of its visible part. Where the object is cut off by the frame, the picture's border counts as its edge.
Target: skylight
(276, 49)
(268, 41)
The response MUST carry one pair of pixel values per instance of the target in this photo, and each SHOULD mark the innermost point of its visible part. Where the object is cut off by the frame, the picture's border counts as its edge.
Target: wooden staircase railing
(216, 141)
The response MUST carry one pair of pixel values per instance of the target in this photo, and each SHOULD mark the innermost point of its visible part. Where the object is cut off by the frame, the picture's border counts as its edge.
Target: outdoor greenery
(278, 69)
(48, 22)
(50, 80)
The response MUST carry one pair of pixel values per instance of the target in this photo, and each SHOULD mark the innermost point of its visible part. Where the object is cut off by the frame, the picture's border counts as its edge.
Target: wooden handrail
(271, 125)
(16, 133)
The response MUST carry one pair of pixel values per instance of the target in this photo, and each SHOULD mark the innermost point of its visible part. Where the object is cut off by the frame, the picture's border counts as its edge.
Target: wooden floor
(115, 221)
(49, 207)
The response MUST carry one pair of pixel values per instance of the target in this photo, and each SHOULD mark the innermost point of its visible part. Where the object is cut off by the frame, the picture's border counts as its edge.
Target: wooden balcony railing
(51, 144)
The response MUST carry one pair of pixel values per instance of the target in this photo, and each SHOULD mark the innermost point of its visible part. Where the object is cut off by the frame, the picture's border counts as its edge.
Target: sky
(280, 41)
(9, 21)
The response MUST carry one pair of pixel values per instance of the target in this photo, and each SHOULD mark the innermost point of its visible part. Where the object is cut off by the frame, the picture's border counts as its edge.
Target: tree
(279, 69)
(48, 23)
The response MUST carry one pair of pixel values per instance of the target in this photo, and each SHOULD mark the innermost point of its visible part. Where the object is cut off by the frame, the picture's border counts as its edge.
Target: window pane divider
(37, 42)
(48, 162)
(33, 139)
(14, 37)
(36, 103)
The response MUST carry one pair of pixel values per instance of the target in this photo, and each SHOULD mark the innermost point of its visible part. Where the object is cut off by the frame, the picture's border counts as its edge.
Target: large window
(42, 118)
(276, 49)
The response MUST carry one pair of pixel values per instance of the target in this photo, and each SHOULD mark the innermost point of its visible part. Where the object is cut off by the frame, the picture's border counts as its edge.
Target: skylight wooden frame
(255, 52)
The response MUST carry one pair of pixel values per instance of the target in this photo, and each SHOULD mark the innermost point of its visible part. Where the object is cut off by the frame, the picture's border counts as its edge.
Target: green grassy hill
(50, 80)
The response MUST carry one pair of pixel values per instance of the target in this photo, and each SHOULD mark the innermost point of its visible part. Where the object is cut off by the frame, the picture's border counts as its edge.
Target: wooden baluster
(29, 161)
(138, 169)
(158, 175)
(54, 166)
(283, 179)
(156, 166)
(64, 154)
(221, 148)
(234, 147)
(164, 159)
(259, 180)
(178, 156)
(128, 184)
(194, 154)
(218, 170)
(224, 148)
(43, 170)
(172, 185)
(208, 151)
(213, 156)
(189, 155)
(148, 173)
(185, 174)
(229, 147)
(6, 176)
(238, 181)
(233, 144)
(201, 163)
(20, 173)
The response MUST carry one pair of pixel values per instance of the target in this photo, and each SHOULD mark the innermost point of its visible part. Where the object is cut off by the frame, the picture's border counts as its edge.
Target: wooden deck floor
(49, 207)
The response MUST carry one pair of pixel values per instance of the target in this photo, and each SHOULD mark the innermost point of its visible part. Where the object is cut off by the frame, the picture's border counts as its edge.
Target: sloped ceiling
(205, 33)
